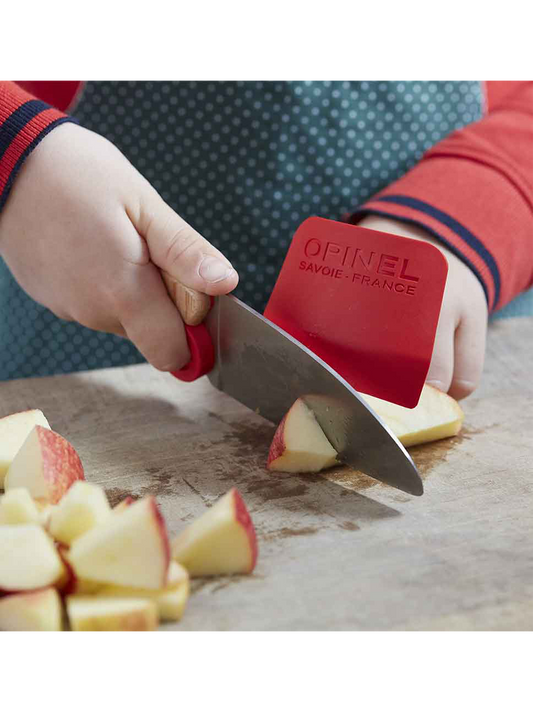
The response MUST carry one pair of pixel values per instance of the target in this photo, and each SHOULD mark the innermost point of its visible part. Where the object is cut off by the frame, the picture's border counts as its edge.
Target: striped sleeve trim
(448, 230)
(24, 122)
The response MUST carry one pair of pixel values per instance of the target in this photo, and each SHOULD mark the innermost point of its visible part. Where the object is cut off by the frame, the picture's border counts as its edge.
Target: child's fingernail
(214, 270)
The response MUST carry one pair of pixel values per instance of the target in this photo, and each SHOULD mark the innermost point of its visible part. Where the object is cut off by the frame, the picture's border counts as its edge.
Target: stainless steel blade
(266, 369)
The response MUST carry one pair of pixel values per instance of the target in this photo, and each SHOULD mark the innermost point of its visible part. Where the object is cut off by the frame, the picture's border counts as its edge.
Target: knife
(259, 364)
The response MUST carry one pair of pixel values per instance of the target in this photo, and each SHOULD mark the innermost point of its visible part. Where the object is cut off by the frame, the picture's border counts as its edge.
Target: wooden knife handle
(192, 305)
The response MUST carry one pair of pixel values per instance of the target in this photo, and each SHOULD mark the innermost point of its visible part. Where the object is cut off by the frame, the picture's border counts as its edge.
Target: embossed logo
(365, 267)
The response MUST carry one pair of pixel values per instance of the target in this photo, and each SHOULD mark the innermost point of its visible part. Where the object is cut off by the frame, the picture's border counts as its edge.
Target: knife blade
(266, 369)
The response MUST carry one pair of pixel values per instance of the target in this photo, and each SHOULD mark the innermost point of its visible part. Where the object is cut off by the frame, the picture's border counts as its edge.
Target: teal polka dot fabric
(244, 163)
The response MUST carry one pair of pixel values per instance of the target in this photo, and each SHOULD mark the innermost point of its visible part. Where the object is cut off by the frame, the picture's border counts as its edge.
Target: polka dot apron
(244, 163)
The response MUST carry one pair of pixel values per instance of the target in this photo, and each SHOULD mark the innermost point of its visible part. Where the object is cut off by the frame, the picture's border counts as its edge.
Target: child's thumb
(182, 252)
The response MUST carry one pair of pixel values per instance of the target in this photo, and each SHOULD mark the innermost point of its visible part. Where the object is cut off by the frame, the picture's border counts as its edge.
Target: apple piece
(14, 429)
(436, 416)
(83, 507)
(46, 464)
(33, 611)
(17, 507)
(299, 443)
(129, 550)
(221, 541)
(170, 601)
(90, 613)
(28, 558)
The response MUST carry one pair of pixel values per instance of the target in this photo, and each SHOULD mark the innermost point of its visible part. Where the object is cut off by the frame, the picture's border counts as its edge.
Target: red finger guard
(202, 354)
(366, 302)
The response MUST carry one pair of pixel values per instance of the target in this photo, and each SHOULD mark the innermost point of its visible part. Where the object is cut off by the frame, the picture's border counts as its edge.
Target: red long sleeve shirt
(473, 190)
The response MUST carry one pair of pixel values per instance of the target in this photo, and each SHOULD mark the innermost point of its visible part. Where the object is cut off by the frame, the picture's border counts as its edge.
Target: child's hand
(84, 234)
(459, 350)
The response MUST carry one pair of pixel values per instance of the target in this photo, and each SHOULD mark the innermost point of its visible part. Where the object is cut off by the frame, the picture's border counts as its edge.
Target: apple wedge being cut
(28, 558)
(14, 429)
(17, 507)
(90, 613)
(46, 464)
(127, 550)
(33, 611)
(221, 541)
(299, 444)
(436, 416)
(83, 507)
(170, 601)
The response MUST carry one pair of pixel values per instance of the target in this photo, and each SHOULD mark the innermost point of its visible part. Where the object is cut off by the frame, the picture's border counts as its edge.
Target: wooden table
(336, 553)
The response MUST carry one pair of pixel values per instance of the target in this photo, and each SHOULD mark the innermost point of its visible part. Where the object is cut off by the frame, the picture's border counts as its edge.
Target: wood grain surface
(339, 552)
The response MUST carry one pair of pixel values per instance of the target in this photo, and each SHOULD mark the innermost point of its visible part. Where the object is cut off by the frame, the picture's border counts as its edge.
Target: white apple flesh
(170, 601)
(28, 558)
(33, 611)
(299, 444)
(92, 613)
(221, 541)
(46, 465)
(83, 507)
(14, 429)
(436, 416)
(17, 507)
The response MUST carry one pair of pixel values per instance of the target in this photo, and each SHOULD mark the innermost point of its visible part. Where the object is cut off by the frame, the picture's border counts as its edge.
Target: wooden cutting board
(339, 552)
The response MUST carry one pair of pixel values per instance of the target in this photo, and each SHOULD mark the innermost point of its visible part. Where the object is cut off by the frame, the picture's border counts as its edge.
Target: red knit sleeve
(474, 192)
(24, 121)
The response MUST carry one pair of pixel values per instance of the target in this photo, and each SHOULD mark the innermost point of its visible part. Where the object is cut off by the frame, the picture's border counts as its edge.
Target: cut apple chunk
(17, 507)
(436, 416)
(88, 613)
(83, 507)
(170, 601)
(14, 429)
(221, 541)
(28, 558)
(33, 611)
(46, 465)
(299, 444)
(127, 550)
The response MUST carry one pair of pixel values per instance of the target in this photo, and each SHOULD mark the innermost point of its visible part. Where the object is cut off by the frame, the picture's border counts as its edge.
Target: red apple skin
(278, 447)
(243, 517)
(160, 522)
(61, 463)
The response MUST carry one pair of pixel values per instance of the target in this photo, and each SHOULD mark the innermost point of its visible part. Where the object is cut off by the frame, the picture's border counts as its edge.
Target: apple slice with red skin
(14, 429)
(28, 558)
(299, 443)
(38, 610)
(131, 549)
(221, 541)
(46, 465)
